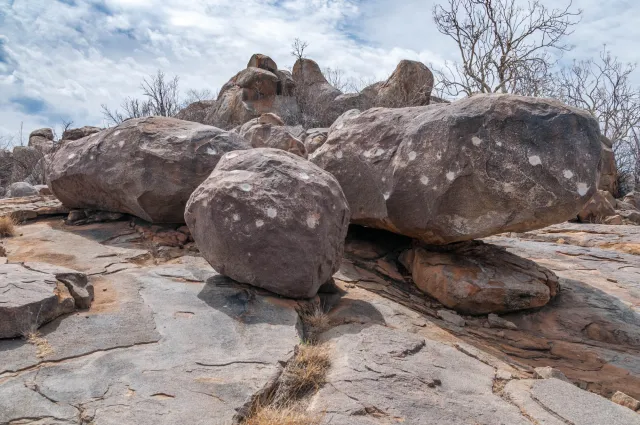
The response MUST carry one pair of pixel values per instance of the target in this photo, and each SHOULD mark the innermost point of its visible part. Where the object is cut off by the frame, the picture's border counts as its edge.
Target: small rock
(615, 220)
(627, 401)
(451, 317)
(496, 321)
(549, 372)
(21, 189)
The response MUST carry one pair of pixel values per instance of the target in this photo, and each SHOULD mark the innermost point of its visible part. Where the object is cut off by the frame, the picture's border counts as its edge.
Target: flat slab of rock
(479, 166)
(30, 298)
(31, 207)
(478, 278)
(555, 402)
(146, 167)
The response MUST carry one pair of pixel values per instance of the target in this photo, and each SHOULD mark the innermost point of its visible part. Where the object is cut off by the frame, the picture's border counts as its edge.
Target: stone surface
(624, 400)
(608, 170)
(270, 219)
(597, 209)
(409, 85)
(30, 207)
(147, 167)
(76, 282)
(496, 321)
(314, 138)
(453, 172)
(30, 298)
(451, 317)
(477, 278)
(42, 140)
(164, 343)
(268, 131)
(79, 133)
(548, 373)
(632, 198)
(21, 190)
(554, 402)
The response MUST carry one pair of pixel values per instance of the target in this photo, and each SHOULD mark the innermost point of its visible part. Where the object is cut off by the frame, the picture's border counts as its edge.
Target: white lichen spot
(534, 160)
(340, 126)
(212, 151)
(386, 196)
(384, 179)
(73, 155)
(339, 154)
(582, 189)
(92, 157)
(231, 155)
(121, 143)
(476, 141)
(245, 187)
(379, 152)
(424, 180)
(272, 213)
(412, 155)
(567, 174)
(450, 176)
(236, 217)
(304, 176)
(182, 136)
(499, 144)
(259, 223)
(313, 220)
(116, 133)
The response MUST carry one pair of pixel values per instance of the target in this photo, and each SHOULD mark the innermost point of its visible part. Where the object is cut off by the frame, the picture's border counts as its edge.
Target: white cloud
(68, 57)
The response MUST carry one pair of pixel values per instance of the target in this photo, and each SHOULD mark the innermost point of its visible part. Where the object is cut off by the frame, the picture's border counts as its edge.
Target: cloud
(75, 55)
(29, 105)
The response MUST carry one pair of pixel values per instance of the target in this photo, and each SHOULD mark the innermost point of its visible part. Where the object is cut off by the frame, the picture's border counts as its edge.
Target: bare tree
(297, 48)
(503, 47)
(161, 95)
(195, 95)
(336, 77)
(603, 87)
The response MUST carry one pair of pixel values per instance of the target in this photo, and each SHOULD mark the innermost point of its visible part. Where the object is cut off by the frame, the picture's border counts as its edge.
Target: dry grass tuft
(7, 226)
(42, 345)
(315, 321)
(306, 372)
(282, 416)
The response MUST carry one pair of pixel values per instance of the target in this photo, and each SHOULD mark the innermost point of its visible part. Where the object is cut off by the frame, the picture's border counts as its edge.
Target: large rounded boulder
(466, 170)
(147, 167)
(270, 219)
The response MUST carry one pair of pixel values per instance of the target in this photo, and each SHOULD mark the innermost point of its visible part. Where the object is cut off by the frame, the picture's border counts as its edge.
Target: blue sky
(62, 59)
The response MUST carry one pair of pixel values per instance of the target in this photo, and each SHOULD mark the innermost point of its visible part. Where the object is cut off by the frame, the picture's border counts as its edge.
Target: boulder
(409, 85)
(632, 216)
(632, 198)
(21, 189)
(30, 297)
(608, 169)
(547, 372)
(262, 61)
(27, 162)
(268, 132)
(315, 137)
(597, 209)
(315, 95)
(476, 167)
(43, 190)
(270, 219)
(79, 133)
(614, 220)
(477, 278)
(625, 400)
(42, 140)
(147, 167)
(196, 111)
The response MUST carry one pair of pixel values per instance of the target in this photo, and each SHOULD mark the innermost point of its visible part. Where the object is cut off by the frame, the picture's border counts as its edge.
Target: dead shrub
(7, 226)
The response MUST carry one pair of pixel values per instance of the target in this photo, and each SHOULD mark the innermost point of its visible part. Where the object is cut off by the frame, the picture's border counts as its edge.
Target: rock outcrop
(147, 167)
(608, 169)
(452, 172)
(35, 293)
(269, 131)
(409, 85)
(477, 278)
(42, 140)
(598, 208)
(270, 219)
(314, 138)
(79, 133)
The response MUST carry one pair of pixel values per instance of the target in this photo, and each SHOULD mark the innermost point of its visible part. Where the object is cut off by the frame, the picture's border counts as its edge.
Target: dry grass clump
(282, 416)
(315, 321)
(43, 347)
(7, 226)
(306, 372)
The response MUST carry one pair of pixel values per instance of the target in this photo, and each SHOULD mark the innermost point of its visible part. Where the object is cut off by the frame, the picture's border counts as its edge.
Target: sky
(61, 59)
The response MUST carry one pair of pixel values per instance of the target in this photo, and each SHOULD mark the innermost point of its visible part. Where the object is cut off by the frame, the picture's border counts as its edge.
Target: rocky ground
(168, 340)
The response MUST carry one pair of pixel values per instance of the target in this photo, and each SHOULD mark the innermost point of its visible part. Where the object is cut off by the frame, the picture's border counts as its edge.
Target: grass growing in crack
(282, 416)
(315, 321)
(7, 226)
(305, 373)
(43, 347)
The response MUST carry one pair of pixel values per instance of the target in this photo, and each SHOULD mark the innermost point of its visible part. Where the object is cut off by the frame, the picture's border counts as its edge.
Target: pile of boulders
(603, 208)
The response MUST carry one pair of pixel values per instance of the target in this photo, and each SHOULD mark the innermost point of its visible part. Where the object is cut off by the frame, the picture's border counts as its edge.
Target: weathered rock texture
(479, 166)
(478, 278)
(268, 131)
(147, 167)
(42, 140)
(36, 293)
(608, 169)
(270, 219)
(597, 209)
(79, 133)
(409, 85)
(21, 189)
(30, 207)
